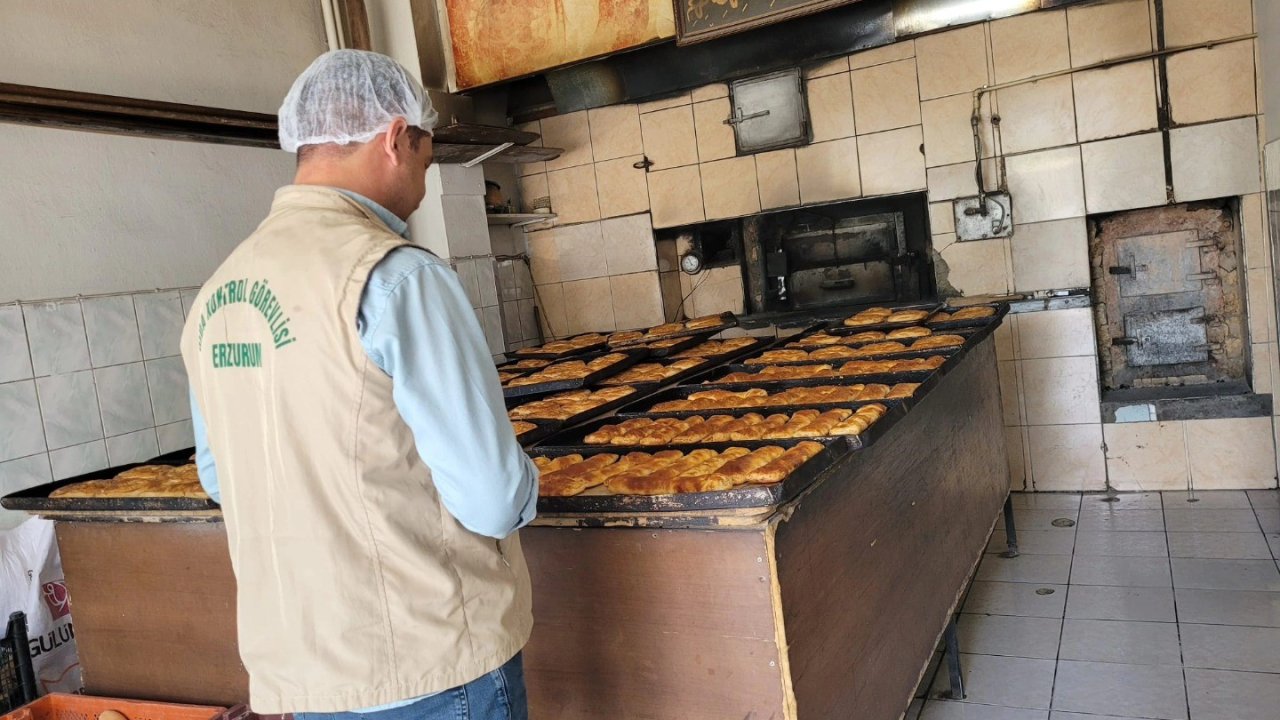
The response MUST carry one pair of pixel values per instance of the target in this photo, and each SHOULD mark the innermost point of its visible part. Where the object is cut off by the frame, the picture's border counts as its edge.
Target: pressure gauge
(691, 263)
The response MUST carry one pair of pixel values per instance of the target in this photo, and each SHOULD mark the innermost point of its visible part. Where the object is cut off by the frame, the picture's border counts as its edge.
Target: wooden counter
(829, 607)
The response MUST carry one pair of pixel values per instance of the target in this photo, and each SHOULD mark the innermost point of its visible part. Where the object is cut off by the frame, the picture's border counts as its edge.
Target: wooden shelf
(519, 218)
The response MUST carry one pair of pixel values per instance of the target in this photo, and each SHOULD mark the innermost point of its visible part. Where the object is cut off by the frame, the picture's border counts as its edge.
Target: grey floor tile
(1120, 603)
(1264, 498)
(1210, 520)
(1226, 574)
(1123, 501)
(1147, 691)
(1121, 544)
(1273, 540)
(1039, 519)
(1022, 599)
(1004, 681)
(1026, 568)
(1223, 695)
(1121, 641)
(1047, 501)
(1268, 519)
(948, 710)
(1224, 647)
(1207, 500)
(1122, 520)
(1228, 607)
(1028, 637)
(1126, 571)
(1035, 542)
(1083, 716)
(1215, 545)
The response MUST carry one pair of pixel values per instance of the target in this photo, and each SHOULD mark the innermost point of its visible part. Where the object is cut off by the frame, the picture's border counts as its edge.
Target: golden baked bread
(664, 329)
(908, 332)
(521, 427)
(559, 347)
(567, 370)
(973, 312)
(716, 348)
(870, 316)
(563, 406)
(155, 481)
(938, 341)
(626, 337)
(873, 367)
(902, 316)
(665, 343)
(671, 471)
(653, 372)
(505, 377)
(778, 372)
(703, 323)
(718, 428)
(529, 364)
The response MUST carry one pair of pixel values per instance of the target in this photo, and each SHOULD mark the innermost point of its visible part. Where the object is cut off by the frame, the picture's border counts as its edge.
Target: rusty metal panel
(1168, 337)
(1158, 264)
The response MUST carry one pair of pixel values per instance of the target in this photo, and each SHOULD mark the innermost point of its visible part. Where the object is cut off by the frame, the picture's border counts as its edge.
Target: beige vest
(355, 586)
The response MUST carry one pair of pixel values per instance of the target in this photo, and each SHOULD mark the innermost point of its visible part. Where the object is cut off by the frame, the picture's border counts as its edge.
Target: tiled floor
(1156, 605)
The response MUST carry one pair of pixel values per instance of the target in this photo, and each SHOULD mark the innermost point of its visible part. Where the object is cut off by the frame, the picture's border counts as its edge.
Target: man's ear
(396, 140)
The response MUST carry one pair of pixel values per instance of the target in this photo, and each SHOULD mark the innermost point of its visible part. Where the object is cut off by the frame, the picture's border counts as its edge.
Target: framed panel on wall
(699, 20)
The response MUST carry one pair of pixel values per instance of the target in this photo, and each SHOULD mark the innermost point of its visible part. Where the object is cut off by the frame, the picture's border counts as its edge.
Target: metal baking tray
(684, 343)
(544, 429)
(838, 327)
(608, 407)
(536, 352)
(907, 354)
(36, 499)
(1002, 309)
(633, 355)
(574, 438)
(707, 364)
(727, 320)
(684, 391)
(760, 344)
(926, 379)
(599, 500)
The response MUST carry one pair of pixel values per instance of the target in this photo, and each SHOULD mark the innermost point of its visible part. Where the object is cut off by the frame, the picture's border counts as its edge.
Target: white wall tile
(1146, 456)
(1231, 453)
(628, 245)
(1061, 391)
(1050, 255)
(528, 320)
(669, 138)
(1037, 115)
(56, 334)
(555, 320)
(170, 396)
(112, 327)
(828, 171)
(900, 50)
(69, 408)
(886, 97)
(124, 398)
(779, 182)
(952, 62)
(1046, 185)
(487, 281)
(1193, 21)
(24, 473)
(590, 306)
(1261, 308)
(671, 101)
(1254, 225)
(77, 460)
(1215, 160)
(977, 268)
(454, 179)
(512, 332)
(466, 227)
(1016, 447)
(491, 322)
(830, 107)
(544, 256)
(1030, 44)
(572, 133)
(637, 300)
(675, 197)
(132, 448)
(1115, 101)
(1067, 458)
(1105, 31)
(891, 162)
(826, 67)
(1010, 393)
(582, 252)
(948, 129)
(615, 132)
(573, 196)
(942, 218)
(1056, 333)
(621, 187)
(15, 355)
(715, 139)
(466, 272)
(1213, 83)
(175, 436)
(956, 181)
(160, 321)
(1124, 174)
(729, 188)
(21, 432)
(709, 92)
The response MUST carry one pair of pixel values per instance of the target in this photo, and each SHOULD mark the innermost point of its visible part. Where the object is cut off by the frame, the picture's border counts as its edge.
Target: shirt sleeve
(418, 326)
(205, 466)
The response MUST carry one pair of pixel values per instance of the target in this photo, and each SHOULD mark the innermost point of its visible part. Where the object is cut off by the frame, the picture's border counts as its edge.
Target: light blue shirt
(416, 324)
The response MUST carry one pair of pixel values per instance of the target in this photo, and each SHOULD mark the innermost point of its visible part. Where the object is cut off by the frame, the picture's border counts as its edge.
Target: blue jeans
(496, 696)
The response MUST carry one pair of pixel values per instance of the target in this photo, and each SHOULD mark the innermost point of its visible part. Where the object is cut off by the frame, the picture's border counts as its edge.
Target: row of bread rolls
(727, 428)
(567, 370)
(841, 352)
(853, 368)
(761, 398)
(653, 372)
(563, 406)
(669, 472)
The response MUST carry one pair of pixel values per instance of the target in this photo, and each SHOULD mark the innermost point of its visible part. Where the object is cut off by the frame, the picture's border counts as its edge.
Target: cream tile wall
(896, 119)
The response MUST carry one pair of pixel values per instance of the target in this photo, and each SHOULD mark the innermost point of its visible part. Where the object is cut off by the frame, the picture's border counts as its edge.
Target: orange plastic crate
(60, 706)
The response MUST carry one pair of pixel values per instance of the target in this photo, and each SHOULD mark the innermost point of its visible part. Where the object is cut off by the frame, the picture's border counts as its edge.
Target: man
(349, 419)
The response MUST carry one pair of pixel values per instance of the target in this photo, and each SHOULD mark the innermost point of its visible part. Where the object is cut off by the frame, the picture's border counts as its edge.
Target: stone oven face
(1169, 296)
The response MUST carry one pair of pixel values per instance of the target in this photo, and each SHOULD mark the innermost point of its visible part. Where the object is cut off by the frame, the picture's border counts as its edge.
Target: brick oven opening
(1169, 295)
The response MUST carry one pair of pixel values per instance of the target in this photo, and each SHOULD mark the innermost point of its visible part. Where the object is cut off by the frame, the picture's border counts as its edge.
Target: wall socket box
(974, 222)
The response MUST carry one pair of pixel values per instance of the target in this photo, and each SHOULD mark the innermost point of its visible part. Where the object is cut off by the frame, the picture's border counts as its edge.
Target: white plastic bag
(31, 581)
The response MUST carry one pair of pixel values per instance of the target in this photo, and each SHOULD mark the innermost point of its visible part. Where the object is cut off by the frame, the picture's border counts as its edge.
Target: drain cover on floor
(1064, 522)
(1044, 591)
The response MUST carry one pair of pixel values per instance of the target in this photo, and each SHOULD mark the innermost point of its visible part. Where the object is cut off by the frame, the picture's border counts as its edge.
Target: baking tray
(37, 500)
(926, 378)
(684, 343)
(746, 496)
(574, 438)
(761, 343)
(727, 320)
(533, 352)
(708, 364)
(633, 355)
(1002, 309)
(837, 327)
(902, 355)
(544, 429)
(683, 391)
(585, 414)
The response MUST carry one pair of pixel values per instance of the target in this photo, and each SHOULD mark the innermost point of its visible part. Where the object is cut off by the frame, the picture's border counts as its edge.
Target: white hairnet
(348, 96)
